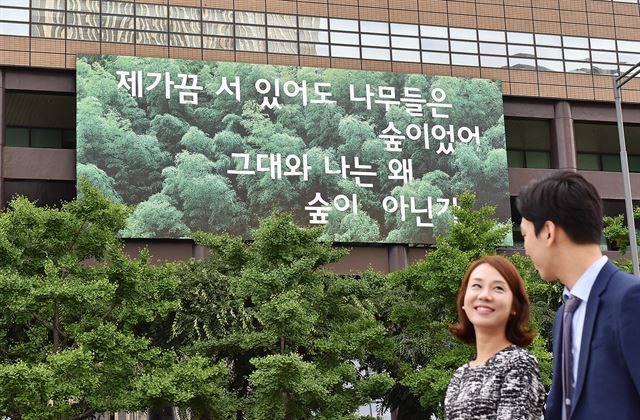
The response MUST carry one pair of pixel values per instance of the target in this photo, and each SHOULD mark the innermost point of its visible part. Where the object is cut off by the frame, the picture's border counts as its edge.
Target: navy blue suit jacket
(608, 381)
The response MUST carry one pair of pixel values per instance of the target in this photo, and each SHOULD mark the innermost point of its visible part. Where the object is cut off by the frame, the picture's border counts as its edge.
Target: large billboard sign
(215, 146)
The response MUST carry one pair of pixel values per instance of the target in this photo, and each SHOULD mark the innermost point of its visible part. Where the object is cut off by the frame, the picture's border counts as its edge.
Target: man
(596, 363)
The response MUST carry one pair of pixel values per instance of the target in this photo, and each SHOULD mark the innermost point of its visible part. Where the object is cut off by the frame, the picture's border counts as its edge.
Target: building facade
(556, 60)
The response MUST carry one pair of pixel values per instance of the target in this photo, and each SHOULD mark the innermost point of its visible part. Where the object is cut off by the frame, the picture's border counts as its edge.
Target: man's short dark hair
(566, 199)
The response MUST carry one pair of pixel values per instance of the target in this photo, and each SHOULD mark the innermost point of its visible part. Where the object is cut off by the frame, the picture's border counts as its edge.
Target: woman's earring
(463, 307)
(513, 313)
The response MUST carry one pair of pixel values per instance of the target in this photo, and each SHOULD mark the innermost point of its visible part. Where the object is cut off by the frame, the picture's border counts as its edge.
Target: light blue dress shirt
(582, 289)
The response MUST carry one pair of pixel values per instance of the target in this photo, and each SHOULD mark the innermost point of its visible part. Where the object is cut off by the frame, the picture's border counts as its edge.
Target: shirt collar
(583, 286)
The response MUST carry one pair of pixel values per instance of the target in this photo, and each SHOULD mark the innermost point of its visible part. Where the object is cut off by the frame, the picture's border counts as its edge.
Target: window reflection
(435, 44)
(460, 33)
(520, 38)
(576, 55)
(575, 42)
(464, 60)
(522, 63)
(347, 52)
(465, 47)
(492, 36)
(152, 38)
(47, 31)
(288, 21)
(546, 52)
(374, 27)
(375, 40)
(435, 58)
(550, 65)
(404, 55)
(344, 38)
(343, 25)
(312, 22)
(149, 24)
(497, 49)
(251, 45)
(550, 40)
(151, 10)
(404, 29)
(492, 61)
(520, 51)
(217, 43)
(282, 33)
(405, 42)
(314, 49)
(217, 15)
(41, 16)
(15, 15)
(434, 31)
(282, 47)
(179, 40)
(376, 54)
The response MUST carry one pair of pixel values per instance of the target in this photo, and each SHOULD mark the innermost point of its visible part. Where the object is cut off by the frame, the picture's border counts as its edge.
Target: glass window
(344, 25)
(190, 13)
(604, 68)
(576, 55)
(573, 67)
(282, 33)
(347, 52)
(69, 139)
(515, 159)
(84, 34)
(376, 54)
(184, 26)
(464, 47)
(603, 44)
(520, 38)
(547, 52)
(345, 38)
(314, 49)
(522, 63)
(119, 22)
(83, 19)
(160, 25)
(48, 31)
(462, 33)
(550, 40)
(493, 61)
(251, 45)
(312, 22)
(217, 15)
(607, 57)
(151, 10)
(375, 40)
(520, 51)
(280, 47)
(405, 42)
(491, 36)
(247, 31)
(550, 65)
(464, 60)
(48, 4)
(84, 6)
(632, 46)
(117, 8)
(19, 29)
(217, 43)
(435, 44)
(408, 56)
(575, 42)
(497, 49)
(434, 31)
(435, 58)
(404, 29)
(41, 16)
(15, 15)
(634, 163)
(15, 3)
(374, 27)
(588, 162)
(530, 141)
(628, 58)
(537, 159)
(190, 41)
(250, 18)
(313, 36)
(288, 21)
(46, 137)
(611, 163)
(151, 38)
(114, 35)
(17, 137)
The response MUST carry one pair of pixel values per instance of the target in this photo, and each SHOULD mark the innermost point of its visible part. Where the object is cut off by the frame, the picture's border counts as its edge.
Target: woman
(503, 381)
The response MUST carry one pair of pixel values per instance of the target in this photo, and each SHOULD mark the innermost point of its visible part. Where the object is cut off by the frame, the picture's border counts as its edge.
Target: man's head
(563, 205)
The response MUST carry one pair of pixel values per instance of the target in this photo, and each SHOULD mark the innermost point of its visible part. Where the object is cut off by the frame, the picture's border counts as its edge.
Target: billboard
(215, 146)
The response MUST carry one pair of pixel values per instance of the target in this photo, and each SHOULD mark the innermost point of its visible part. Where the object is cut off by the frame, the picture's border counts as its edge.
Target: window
(597, 146)
(528, 143)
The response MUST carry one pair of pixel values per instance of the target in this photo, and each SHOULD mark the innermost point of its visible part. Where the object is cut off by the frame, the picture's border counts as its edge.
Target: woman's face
(488, 300)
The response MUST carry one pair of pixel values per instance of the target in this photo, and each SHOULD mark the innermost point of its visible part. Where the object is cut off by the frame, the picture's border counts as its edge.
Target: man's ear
(549, 232)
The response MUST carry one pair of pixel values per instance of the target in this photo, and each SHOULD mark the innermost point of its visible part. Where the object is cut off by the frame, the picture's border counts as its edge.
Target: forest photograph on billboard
(373, 157)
